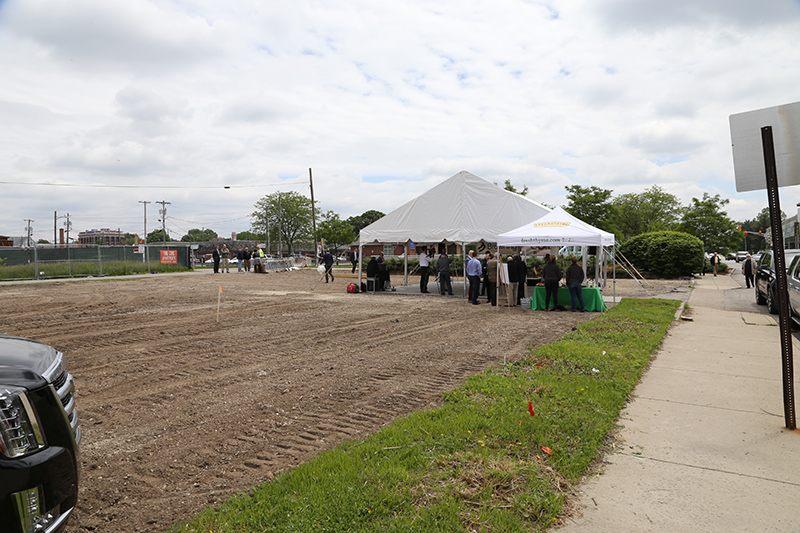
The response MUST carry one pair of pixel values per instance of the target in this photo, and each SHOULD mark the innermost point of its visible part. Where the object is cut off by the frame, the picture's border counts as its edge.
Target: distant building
(6, 241)
(109, 237)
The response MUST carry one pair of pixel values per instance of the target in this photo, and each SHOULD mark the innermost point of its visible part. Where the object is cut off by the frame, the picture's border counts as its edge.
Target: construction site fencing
(84, 261)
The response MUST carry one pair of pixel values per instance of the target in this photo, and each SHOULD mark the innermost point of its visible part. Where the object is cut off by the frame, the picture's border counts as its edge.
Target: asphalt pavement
(703, 444)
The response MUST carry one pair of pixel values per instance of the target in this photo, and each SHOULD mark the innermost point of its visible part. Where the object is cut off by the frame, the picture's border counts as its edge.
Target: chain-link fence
(82, 261)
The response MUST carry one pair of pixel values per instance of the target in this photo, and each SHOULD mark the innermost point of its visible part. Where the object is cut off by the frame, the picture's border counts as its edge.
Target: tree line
(632, 214)
(286, 217)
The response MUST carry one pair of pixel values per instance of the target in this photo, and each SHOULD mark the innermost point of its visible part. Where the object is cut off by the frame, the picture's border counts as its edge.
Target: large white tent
(462, 209)
(557, 228)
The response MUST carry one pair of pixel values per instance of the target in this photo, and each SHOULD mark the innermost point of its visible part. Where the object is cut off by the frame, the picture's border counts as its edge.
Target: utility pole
(29, 220)
(280, 229)
(266, 224)
(163, 212)
(68, 226)
(146, 256)
(55, 223)
(313, 213)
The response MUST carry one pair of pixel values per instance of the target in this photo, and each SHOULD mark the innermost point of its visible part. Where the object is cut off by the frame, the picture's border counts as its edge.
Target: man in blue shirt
(474, 271)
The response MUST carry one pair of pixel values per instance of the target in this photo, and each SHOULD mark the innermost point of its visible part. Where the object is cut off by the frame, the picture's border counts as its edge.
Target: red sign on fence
(169, 257)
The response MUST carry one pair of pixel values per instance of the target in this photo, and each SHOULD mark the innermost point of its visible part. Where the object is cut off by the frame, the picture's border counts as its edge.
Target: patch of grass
(80, 269)
(479, 462)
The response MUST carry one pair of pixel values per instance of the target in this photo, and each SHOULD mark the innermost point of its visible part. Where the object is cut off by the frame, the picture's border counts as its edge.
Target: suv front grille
(65, 387)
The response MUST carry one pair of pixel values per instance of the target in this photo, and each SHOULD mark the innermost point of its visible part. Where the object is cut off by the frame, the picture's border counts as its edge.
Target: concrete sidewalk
(704, 445)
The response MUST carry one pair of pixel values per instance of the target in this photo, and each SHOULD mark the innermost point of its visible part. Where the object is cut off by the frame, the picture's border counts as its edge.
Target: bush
(669, 254)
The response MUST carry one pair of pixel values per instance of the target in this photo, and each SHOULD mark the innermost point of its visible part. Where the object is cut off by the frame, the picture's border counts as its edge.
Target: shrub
(670, 254)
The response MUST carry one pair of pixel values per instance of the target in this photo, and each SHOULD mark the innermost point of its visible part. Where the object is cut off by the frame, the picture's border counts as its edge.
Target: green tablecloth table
(592, 299)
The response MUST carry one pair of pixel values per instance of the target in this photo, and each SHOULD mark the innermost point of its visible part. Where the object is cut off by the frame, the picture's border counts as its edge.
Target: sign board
(748, 150)
(169, 257)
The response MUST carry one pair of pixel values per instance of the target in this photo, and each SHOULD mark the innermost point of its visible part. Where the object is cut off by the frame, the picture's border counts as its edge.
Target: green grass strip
(77, 269)
(481, 461)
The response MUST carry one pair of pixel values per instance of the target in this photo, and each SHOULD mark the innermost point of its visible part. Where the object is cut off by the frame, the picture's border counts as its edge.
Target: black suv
(766, 286)
(39, 437)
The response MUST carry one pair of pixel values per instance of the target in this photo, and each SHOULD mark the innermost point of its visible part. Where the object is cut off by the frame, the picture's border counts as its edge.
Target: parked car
(765, 279)
(793, 284)
(39, 438)
(741, 255)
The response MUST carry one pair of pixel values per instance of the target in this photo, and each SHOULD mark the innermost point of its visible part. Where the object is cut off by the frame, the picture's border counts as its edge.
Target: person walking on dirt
(327, 260)
(216, 257)
(226, 257)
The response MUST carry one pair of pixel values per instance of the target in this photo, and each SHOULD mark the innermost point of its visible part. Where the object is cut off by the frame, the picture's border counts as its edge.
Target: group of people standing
(378, 270)
(483, 280)
(551, 277)
(244, 256)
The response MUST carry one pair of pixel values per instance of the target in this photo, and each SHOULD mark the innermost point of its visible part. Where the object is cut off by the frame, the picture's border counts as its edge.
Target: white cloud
(382, 101)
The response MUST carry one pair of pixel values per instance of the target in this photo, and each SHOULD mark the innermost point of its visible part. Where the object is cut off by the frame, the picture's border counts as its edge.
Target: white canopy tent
(559, 228)
(462, 209)
(556, 228)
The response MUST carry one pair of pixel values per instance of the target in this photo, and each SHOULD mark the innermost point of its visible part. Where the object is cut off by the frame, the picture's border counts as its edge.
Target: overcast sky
(117, 100)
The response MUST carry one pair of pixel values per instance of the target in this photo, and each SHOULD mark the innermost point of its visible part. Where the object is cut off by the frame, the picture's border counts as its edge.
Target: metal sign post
(780, 273)
(781, 171)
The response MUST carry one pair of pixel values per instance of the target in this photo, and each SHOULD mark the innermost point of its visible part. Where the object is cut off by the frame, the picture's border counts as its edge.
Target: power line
(102, 186)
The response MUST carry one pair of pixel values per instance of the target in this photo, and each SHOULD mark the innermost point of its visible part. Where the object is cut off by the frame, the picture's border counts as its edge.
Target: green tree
(365, 219)
(42, 241)
(645, 212)
(334, 231)
(157, 236)
(250, 236)
(507, 186)
(131, 238)
(757, 230)
(287, 215)
(592, 205)
(198, 235)
(706, 220)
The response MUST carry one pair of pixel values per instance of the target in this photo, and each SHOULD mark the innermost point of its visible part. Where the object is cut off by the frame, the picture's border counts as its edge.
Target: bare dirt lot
(180, 411)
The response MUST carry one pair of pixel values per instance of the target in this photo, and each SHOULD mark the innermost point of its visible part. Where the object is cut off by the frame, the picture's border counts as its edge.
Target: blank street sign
(748, 151)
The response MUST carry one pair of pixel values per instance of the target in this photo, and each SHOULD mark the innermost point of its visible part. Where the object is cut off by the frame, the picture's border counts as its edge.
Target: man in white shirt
(424, 262)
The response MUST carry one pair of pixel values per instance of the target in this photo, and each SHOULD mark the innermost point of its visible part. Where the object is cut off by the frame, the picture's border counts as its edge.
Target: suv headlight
(20, 431)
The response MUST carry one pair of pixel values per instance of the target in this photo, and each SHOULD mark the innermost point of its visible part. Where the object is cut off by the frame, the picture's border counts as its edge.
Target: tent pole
(497, 285)
(464, 265)
(405, 265)
(585, 258)
(360, 251)
(614, 263)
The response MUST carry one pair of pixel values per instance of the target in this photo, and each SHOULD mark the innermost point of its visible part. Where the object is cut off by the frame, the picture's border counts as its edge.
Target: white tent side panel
(463, 208)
